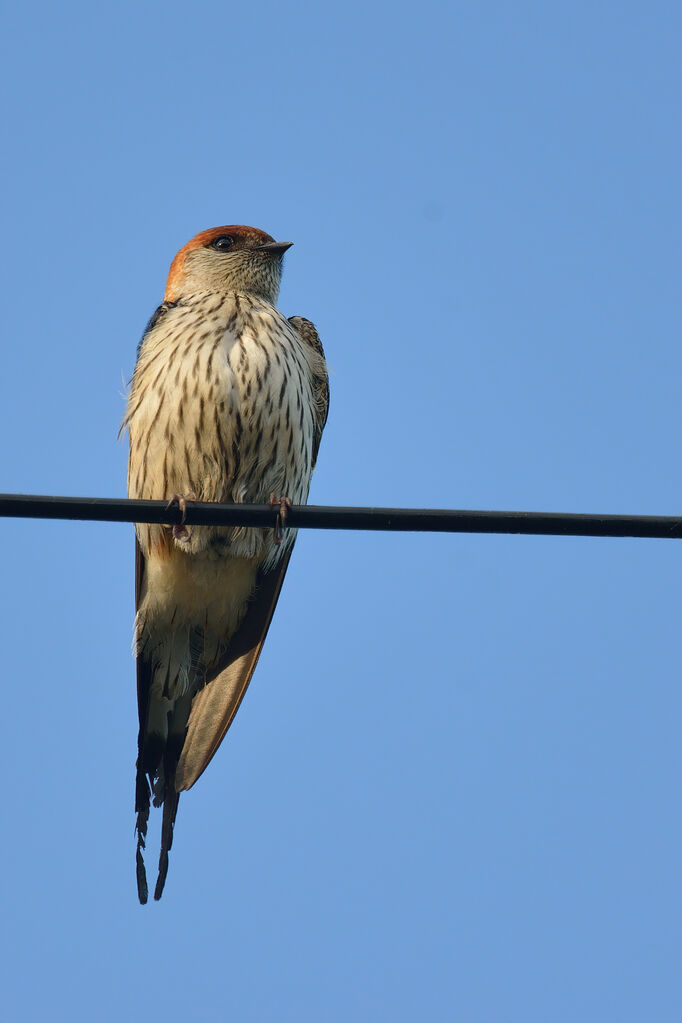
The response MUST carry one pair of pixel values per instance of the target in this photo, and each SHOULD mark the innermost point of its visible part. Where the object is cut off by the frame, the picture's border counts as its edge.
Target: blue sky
(453, 789)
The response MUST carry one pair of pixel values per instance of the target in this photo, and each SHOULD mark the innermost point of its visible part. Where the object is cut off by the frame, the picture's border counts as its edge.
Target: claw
(181, 532)
(283, 504)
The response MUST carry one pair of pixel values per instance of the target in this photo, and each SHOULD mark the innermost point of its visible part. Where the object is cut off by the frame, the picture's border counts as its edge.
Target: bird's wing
(214, 707)
(307, 331)
(142, 787)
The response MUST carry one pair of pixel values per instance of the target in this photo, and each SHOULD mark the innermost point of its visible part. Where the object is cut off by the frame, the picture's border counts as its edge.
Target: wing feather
(307, 331)
(142, 786)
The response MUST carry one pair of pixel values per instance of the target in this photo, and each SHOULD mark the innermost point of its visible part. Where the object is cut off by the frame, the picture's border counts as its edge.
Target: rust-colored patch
(177, 267)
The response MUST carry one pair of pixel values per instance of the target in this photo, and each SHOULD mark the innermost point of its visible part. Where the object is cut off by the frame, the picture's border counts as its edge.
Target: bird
(227, 403)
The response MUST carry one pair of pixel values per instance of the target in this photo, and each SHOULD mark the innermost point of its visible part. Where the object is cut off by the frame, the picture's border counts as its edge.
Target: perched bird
(228, 402)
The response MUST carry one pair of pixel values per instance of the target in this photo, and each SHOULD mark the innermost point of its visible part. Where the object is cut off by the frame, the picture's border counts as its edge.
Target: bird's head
(232, 258)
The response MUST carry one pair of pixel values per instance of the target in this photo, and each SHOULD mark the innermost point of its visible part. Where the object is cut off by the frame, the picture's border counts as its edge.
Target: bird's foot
(284, 504)
(181, 532)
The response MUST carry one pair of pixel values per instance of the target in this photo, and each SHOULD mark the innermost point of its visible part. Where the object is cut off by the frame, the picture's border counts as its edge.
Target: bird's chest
(231, 416)
(263, 419)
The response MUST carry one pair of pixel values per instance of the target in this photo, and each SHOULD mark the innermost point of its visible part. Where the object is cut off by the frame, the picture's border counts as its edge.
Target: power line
(422, 520)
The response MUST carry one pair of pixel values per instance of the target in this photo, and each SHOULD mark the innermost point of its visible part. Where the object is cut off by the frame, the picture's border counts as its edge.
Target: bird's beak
(275, 248)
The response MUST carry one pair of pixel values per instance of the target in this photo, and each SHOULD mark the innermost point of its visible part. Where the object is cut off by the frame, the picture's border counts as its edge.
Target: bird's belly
(190, 608)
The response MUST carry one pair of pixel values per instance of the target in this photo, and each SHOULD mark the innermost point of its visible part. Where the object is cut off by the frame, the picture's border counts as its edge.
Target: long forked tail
(142, 794)
(163, 780)
(170, 809)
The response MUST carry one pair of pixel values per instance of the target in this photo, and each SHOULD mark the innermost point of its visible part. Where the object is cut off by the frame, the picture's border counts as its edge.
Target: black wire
(424, 520)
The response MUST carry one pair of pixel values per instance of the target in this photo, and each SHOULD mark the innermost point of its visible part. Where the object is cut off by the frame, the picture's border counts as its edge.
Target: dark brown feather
(307, 331)
(142, 786)
(170, 810)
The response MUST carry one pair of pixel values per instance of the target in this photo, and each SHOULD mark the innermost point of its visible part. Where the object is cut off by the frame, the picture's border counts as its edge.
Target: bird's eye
(224, 242)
